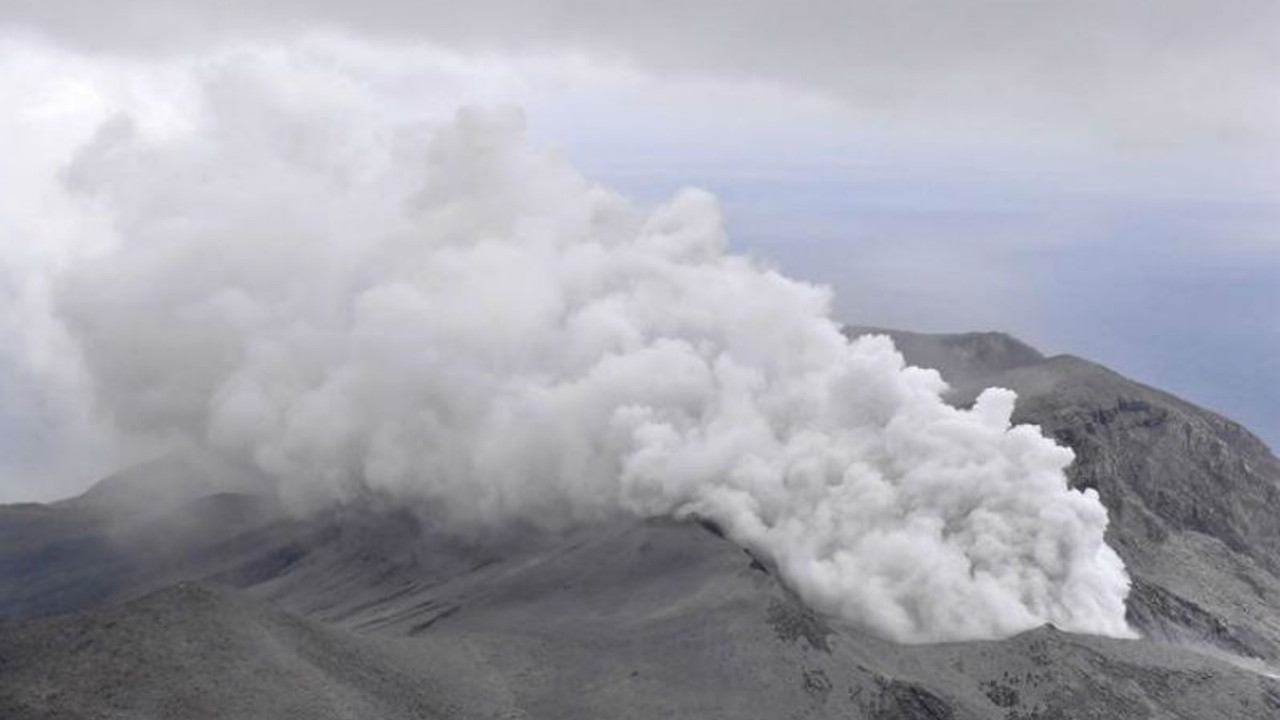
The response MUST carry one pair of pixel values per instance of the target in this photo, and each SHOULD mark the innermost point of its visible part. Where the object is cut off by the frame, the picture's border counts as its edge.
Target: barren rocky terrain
(180, 589)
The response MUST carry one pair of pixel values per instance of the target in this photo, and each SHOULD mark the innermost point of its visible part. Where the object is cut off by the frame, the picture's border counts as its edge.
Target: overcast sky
(1100, 178)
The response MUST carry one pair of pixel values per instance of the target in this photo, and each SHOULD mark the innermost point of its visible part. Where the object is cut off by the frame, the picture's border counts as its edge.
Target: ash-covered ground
(181, 589)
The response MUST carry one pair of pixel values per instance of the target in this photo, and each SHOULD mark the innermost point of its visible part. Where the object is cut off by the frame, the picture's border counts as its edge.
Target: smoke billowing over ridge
(451, 315)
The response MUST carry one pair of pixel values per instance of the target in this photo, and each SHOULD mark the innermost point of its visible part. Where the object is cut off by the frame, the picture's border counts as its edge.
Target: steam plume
(454, 316)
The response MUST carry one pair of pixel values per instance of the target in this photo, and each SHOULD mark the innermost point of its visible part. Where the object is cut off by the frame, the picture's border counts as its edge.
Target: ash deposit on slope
(455, 317)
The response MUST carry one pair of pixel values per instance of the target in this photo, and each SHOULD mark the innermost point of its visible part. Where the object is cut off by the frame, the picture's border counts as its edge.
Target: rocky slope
(1192, 496)
(366, 611)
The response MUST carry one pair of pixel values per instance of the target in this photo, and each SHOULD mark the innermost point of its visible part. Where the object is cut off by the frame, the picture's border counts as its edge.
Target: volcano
(183, 588)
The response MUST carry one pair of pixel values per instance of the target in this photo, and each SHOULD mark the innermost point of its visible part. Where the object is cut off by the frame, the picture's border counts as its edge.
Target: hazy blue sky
(1099, 178)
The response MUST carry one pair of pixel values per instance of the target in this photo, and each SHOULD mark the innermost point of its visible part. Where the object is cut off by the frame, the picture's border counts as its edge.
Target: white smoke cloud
(453, 316)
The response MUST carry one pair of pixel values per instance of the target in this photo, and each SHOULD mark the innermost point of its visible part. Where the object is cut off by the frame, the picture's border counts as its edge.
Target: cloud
(1153, 73)
(451, 315)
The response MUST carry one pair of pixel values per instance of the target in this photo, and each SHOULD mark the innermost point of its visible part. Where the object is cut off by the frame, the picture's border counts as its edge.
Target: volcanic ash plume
(457, 318)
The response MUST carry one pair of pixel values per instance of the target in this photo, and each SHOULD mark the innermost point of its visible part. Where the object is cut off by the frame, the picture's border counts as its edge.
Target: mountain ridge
(661, 618)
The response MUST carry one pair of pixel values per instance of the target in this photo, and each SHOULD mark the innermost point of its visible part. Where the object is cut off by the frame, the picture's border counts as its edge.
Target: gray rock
(367, 610)
(1192, 496)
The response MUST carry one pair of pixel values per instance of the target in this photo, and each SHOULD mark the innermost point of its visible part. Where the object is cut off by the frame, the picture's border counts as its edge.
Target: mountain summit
(217, 603)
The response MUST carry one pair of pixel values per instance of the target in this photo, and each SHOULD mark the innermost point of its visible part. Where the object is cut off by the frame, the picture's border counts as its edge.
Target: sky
(1097, 178)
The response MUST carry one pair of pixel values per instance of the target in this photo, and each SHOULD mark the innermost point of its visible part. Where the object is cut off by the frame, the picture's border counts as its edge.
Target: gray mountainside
(180, 589)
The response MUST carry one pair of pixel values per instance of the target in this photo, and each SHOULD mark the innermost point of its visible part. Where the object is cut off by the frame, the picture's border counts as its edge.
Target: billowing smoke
(450, 315)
